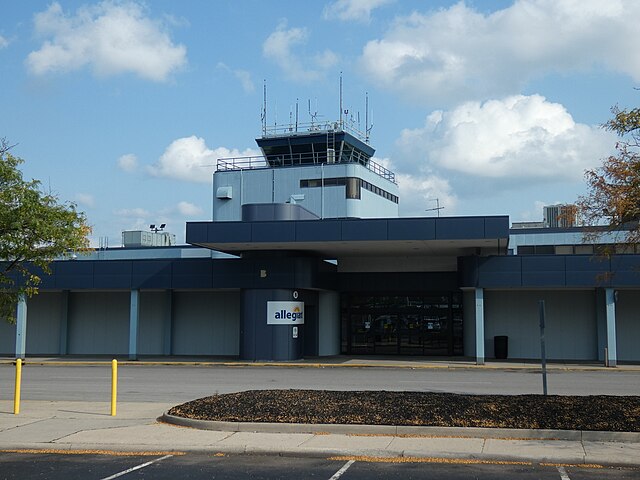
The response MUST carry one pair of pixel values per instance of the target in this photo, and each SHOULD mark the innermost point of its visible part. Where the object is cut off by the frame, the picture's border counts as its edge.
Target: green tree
(35, 228)
(612, 203)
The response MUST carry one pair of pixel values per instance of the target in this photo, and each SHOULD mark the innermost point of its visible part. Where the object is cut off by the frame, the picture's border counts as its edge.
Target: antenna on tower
(296, 114)
(313, 115)
(367, 127)
(263, 116)
(290, 118)
(340, 101)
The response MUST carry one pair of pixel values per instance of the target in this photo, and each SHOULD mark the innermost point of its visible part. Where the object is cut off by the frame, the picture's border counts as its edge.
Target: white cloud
(421, 193)
(534, 214)
(358, 10)
(190, 159)
(280, 47)
(421, 189)
(243, 76)
(514, 139)
(111, 37)
(188, 209)
(326, 59)
(128, 162)
(85, 199)
(3, 42)
(132, 212)
(460, 53)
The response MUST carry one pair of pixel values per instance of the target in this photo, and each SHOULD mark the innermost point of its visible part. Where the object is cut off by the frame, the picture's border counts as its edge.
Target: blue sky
(492, 107)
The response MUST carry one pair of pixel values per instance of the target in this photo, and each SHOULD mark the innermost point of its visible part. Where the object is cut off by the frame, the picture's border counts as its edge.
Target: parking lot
(198, 466)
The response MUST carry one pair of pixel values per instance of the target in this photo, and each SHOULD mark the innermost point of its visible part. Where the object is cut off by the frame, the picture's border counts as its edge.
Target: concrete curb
(392, 430)
(128, 363)
(524, 457)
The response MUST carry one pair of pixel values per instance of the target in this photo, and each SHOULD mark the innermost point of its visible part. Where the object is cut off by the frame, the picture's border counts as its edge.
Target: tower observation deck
(309, 144)
(325, 167)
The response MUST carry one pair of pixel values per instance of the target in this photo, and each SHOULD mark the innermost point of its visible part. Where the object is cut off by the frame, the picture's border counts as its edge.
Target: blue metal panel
(364, 230)
(192, 273)
(543, 271)
(279, 272)
(587, 271)
(412, 229)
(74, 274)
(112, 274)
(232, 232)
(232, 273)
(496, 227)
(625, 270)
(47, 281)
(416, 282)
(197, 232)
(273, 232)
(319, 231)
(151, 274)
(460, 228)
(499, 272)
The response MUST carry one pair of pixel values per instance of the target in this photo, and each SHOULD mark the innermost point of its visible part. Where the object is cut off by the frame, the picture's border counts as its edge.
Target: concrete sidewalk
(88, 426)
(337, 361)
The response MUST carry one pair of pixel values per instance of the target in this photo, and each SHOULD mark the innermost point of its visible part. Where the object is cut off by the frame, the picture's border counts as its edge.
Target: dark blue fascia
(550, 271)
(401, 282)
(190, 273)
(345, 230)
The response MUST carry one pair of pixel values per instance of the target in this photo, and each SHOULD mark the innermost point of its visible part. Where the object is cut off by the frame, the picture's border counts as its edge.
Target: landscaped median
(389, 409)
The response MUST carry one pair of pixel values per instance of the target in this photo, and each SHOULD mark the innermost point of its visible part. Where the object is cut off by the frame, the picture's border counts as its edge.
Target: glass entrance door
(385, 328)
(403, 325)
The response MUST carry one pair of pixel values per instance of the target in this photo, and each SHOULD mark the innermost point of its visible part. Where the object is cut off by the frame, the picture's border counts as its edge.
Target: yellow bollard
(16, 394)
(114, 386)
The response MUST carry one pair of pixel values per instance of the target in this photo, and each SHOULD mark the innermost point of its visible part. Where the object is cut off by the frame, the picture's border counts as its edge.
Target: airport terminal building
(306, 256)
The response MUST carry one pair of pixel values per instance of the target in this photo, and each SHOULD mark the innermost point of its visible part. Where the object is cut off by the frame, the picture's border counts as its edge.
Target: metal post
(16, 393)
(543, 353)
(21, 327)
(114, 386)
(479, 326)
(612, 352)
(134, 317)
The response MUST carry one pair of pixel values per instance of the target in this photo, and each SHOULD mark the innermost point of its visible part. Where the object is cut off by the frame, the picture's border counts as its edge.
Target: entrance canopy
(335, 238)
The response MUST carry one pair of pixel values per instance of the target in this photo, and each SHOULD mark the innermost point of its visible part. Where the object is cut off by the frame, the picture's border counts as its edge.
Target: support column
(64, 323)
(612, 359)
(167, 337)
(134, 316)
(21, 327)
(479, 326)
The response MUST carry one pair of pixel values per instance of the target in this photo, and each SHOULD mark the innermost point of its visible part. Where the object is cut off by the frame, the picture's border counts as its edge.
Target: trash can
(501, 346)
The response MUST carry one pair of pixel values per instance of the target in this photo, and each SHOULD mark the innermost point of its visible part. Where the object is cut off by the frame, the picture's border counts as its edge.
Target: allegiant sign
(285, 313)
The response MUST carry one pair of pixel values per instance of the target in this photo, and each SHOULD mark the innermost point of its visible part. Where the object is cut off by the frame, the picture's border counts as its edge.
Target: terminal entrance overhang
(335, 238)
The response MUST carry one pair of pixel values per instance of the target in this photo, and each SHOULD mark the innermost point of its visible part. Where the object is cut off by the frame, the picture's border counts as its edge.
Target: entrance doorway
(402, 325)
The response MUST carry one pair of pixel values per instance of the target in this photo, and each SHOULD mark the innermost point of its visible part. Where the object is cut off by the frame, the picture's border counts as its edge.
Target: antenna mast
(263, 117)
(367, 128)
(340, 101)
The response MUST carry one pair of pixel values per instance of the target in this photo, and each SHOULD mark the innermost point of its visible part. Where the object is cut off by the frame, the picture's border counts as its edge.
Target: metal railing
(319, 158)
(312, 127)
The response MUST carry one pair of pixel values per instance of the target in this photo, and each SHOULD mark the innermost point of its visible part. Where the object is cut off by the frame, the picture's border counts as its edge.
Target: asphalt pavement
(87, 426)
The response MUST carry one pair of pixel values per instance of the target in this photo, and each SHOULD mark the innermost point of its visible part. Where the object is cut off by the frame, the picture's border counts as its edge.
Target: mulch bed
(598, 412)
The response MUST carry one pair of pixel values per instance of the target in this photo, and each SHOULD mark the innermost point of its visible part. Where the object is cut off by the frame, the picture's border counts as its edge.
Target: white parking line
(344, 468)
(137, 467)
(563, 473)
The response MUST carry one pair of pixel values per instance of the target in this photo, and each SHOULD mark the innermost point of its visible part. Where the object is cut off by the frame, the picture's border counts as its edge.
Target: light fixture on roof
(155, 229)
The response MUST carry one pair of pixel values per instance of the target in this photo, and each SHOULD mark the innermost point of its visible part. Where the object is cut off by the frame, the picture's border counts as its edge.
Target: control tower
(323, 167)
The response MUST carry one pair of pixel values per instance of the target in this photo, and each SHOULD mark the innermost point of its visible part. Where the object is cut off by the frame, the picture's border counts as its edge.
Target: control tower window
(353, 187)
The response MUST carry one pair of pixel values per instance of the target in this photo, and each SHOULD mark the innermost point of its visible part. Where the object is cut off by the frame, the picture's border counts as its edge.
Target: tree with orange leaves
(613, 200)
